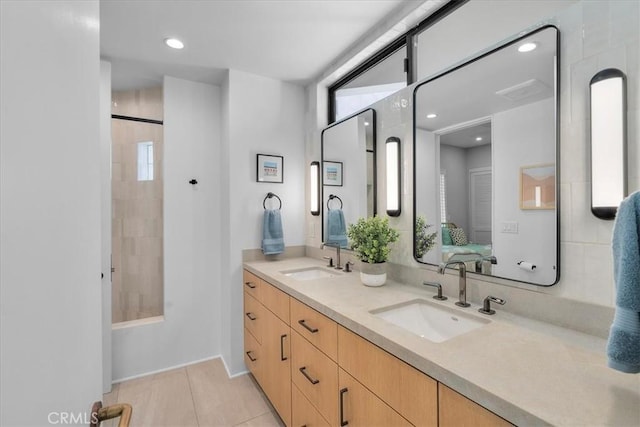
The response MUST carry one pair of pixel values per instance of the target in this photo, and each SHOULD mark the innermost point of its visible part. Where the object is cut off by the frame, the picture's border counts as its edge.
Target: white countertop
(528, 372)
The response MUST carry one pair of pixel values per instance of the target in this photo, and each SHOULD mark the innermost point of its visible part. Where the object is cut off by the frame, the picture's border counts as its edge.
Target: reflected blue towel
(623, 347)
(272, 237)
(337, 230)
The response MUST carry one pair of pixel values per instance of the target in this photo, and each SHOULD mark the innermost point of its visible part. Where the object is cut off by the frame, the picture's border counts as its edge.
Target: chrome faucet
(492, 259)
(337, 246)
(462, 289)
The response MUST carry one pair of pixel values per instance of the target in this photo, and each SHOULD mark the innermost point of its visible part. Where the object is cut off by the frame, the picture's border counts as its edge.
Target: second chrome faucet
(462, 284)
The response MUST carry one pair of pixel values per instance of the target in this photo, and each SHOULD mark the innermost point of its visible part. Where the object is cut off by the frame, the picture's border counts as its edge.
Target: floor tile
(223, 401)
(160, 400)
(267, 420)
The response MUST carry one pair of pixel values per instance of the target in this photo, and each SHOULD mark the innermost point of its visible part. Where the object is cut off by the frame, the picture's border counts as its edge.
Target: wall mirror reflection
(348, 175)
(485, 156)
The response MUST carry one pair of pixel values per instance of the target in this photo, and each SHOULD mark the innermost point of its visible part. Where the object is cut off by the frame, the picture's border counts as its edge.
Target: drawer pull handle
(282, 356)
(251, 316)
(250, 284)
(342, 420)
(307, 327)
(303, 370)
(253, 359)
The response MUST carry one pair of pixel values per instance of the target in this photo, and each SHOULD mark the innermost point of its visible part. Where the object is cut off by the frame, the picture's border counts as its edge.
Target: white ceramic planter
(373, 274)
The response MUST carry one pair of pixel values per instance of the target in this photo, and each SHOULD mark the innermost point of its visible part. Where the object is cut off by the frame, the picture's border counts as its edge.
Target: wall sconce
(314, 182)
(608, 142)
(393, 176)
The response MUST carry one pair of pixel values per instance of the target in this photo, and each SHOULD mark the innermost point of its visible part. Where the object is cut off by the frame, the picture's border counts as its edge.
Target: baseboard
(182, 365)
(229, 373)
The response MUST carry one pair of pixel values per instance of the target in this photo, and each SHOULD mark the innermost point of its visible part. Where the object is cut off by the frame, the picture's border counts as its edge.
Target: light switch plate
(510, 227)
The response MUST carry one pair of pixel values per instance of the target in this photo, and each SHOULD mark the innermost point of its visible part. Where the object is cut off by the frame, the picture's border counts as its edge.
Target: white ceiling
(284, 39)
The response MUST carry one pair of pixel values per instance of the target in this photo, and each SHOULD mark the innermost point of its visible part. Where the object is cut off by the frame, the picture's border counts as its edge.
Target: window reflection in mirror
(348, 174)
(485, 141)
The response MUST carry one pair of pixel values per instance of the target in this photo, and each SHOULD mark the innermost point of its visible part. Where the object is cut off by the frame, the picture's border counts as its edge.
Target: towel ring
(331, 197)
(269, 196)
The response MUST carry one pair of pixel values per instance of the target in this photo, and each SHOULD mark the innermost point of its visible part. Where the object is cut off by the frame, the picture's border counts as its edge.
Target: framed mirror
(486, 180)
(348, 176)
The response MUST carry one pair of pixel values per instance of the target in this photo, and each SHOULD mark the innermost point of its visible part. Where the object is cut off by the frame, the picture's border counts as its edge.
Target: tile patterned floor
(194, 396)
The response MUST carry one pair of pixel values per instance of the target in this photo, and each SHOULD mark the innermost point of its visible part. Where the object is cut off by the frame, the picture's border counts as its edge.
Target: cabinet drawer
(253, 355)
(275, 300)
(359, 407)
(316, 376)
(317, 328)
(409, 391)
(456, 410)
(252, 316)
(251, 284)
(303, 412)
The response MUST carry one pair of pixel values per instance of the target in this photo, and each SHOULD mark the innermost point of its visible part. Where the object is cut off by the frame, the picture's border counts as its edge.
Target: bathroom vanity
(318, 348)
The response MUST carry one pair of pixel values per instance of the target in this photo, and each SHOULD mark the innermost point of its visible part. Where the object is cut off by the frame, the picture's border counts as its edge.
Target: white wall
(453, 160)
(50, 325)
(190, 330)
(516, 142)
(263, 116)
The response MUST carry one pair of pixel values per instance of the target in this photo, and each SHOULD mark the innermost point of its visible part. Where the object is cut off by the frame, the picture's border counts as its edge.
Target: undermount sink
(310, 273)
(430, 321)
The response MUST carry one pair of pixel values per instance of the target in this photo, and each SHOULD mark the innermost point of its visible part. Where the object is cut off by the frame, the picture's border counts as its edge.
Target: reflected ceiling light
(479, 138)
(432, 116)
(527, 47)
(174, 43)
(366, 123)
(393, 176)
(314, 183)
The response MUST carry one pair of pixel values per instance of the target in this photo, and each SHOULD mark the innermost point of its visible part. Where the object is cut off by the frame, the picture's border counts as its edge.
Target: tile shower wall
(594, 35)
(137, 217)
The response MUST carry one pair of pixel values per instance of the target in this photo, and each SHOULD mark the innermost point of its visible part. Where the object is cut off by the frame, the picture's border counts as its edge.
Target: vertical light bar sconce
(393, 176)
(314, 183)
(608, 142)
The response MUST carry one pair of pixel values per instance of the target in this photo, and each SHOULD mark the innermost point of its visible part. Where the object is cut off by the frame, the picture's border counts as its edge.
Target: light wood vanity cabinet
(458, 411)
(360, 407)
(268, 341)
(316, 376)
(317, 373)
(303, 413)
(404, 388)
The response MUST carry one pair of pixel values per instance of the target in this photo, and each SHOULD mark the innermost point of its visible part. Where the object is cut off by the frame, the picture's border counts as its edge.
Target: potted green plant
(370, 239)
(424, 241)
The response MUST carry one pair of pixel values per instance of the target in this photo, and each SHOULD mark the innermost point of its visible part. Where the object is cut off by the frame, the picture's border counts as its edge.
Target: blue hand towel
(272, 237)
(337, 231)
(623, 347)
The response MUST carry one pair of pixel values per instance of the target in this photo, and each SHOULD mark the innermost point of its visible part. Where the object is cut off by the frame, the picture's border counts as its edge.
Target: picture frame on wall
(538, 187)
(270, 168)
(332, 173)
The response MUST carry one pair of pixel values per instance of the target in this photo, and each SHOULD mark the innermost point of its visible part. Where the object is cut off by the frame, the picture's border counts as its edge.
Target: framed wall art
(332, 173)
(270, 168)
(538, 187)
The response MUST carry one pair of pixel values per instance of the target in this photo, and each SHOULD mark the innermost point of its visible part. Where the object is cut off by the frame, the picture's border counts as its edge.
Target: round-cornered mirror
(486, 162)
(348, 175)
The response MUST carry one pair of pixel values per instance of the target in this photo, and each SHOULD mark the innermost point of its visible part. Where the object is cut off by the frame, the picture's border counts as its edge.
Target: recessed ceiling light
(479, 138)
(366, 123)
(432, 116)
(527, 47)
(174, 43)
